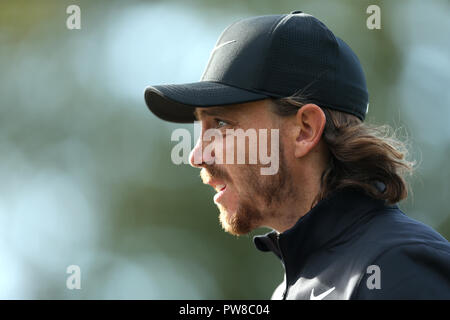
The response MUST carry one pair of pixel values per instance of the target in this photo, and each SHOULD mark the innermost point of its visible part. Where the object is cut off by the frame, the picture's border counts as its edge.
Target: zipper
(286, 290)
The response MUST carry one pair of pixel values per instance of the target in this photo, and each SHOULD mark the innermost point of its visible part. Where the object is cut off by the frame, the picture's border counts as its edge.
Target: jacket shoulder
(391, 228)
(412, 258)
(408, 271)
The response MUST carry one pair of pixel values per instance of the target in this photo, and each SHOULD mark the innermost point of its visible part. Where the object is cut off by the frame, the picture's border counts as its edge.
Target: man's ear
(310, 122)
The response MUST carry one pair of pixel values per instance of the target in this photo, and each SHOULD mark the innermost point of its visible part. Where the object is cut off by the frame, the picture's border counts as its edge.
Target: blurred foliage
(85, 168)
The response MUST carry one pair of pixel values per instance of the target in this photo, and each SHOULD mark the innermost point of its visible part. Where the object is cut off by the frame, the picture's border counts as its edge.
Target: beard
(259, 198)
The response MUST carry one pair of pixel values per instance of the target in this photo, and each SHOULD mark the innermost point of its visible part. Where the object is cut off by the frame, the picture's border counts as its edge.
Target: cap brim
(177, 102)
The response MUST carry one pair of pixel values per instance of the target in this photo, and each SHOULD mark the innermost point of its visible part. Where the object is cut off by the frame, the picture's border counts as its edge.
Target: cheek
(228, 148)
(245, 178)
(219, 150)
(235, 152)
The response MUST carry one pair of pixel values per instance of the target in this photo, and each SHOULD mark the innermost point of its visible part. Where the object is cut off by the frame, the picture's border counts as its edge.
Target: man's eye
(221, 123)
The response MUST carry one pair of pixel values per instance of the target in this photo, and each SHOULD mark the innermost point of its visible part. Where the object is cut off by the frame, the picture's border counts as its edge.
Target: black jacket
(352, 246)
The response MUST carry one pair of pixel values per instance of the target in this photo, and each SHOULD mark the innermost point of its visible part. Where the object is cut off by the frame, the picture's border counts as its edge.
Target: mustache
(213, 172)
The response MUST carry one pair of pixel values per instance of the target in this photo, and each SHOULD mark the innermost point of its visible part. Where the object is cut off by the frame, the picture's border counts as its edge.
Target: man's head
(246, 198)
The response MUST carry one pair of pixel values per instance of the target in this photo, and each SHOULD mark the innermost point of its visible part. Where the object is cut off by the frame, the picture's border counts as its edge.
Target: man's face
(246, 198)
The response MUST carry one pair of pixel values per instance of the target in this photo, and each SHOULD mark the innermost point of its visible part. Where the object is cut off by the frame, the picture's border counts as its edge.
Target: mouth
(216, 184)
(220, 188)
(220, 192)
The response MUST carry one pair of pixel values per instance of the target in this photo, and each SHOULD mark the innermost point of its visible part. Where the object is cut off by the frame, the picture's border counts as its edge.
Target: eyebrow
(217, 111)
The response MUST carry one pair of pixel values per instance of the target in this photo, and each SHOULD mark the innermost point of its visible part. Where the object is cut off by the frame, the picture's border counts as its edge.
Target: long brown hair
(361, 155)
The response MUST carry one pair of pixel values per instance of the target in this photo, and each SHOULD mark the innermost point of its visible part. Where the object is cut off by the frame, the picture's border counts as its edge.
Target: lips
(217, 185)
(220, 187)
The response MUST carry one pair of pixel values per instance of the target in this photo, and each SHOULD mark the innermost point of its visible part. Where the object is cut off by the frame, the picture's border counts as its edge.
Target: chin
(237, 223)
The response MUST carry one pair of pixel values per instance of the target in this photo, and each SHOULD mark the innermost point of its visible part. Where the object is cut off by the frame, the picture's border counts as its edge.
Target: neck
(295, 207)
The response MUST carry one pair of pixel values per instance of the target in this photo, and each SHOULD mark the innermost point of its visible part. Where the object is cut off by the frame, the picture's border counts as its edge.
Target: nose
(197, 158)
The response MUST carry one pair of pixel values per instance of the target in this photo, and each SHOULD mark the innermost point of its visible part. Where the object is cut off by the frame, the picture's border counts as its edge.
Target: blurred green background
(85, 169)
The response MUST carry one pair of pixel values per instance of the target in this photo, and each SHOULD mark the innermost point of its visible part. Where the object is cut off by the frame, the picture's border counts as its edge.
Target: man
(332, 200)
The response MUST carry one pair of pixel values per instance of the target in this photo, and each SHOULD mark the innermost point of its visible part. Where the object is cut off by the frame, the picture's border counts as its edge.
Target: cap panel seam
(273, 29)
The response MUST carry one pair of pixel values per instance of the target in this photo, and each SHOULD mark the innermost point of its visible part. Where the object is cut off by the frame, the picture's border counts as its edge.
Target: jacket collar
(332, 220)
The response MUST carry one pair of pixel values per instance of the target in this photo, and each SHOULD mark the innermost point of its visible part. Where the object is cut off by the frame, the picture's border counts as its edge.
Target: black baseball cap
(270, 56)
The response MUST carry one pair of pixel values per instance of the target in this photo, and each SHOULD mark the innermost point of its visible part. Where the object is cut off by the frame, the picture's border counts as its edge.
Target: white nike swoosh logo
(222, 44)
(320, 296)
